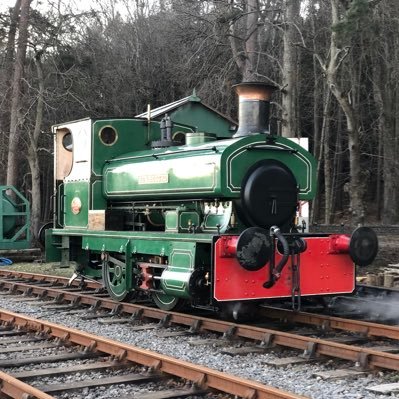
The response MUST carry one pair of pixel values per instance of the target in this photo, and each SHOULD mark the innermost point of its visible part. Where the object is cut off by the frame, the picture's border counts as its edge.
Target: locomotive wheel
(42, 233)
(114, 279)
(168, 302)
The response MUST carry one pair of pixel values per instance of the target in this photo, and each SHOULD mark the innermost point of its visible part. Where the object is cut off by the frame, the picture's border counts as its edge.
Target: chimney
(254, 105)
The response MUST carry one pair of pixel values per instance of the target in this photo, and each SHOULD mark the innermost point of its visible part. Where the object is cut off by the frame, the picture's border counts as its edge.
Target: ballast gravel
(295, 378)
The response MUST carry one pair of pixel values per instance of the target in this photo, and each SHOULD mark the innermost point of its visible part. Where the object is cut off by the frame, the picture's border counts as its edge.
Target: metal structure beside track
(14, 219)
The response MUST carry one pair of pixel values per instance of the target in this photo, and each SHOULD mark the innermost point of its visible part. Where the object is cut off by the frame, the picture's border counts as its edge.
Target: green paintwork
(151, 243)
(53, 247)
(180, 249)
(188, 220)
(139, 175)
(8, 221)
(207, 172)
(191, 217)
(97, 200)
(14, 219)
(193, 112)
(243, 154)
(174, 280)
(72, 191)
(146, 242)
(204, 119)
(133, 135)
(204, 170)
(181, 221)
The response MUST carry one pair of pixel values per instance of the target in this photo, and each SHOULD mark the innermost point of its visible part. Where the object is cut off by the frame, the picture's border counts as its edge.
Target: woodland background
(335, 62)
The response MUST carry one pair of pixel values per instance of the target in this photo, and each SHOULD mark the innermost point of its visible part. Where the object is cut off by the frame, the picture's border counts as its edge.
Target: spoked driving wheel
(114, 279)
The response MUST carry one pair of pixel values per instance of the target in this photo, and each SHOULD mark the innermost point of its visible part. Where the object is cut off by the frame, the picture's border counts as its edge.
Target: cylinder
(229, 246)
(176, 283)
(339, 243)
(253, 108)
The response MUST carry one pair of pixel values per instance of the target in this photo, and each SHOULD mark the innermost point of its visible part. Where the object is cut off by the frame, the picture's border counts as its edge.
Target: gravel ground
(40, 268)
(296, 378)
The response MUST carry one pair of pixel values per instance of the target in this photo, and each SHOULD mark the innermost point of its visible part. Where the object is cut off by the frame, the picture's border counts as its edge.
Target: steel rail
(367, 357)
(4, 273)
(200, 375)
(365, 328)
(15, 388)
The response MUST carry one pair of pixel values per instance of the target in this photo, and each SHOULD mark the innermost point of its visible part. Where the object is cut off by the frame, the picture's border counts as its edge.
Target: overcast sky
(44, 4)
(76, 6)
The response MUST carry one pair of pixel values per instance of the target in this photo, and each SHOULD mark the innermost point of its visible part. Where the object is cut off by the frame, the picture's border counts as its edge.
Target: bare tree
(245, 48)
(166, 49)
(5, 86)
(331, 66)
(385, 71)
(33, 150)
(290, 126)
(16, 100)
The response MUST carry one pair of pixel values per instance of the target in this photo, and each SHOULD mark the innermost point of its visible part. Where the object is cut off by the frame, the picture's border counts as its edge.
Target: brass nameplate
(154, 179)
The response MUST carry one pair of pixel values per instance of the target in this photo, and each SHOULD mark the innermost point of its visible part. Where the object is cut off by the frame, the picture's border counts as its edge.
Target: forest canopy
(335, 64)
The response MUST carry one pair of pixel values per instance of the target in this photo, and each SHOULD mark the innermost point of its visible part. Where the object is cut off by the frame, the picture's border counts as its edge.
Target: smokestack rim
(254, 91)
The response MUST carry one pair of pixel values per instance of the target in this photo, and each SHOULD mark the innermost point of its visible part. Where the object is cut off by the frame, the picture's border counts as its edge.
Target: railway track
(123, 364)
(313, 344)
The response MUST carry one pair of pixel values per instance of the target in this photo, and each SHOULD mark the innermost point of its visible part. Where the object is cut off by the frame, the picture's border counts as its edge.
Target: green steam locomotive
(182, 214)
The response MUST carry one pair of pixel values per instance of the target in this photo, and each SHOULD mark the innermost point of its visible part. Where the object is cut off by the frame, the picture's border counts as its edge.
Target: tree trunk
(251, 43)
(314, 209)
(246, 56)
(289, 90)
(395, 131)
(331, 70)
(33, 156)
(16, 101)
(327, 159)
(5, 83)
(387, 102)
(388, 138)
(322, 151)
(10, 49)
